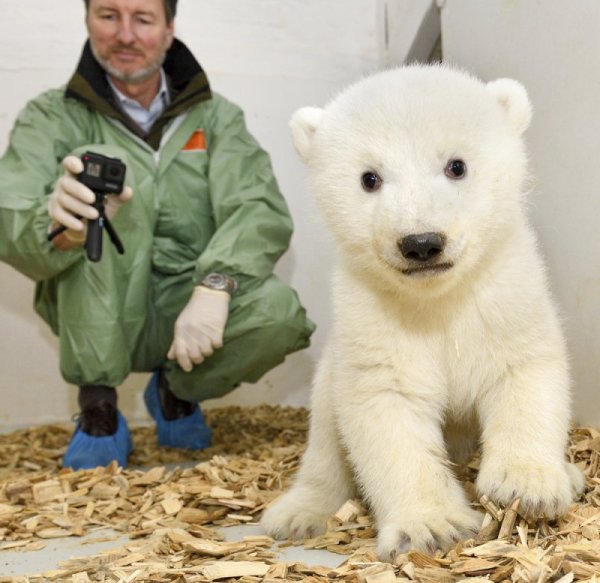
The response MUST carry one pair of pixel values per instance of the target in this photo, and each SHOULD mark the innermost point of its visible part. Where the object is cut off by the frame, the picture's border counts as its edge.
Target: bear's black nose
(421, 247)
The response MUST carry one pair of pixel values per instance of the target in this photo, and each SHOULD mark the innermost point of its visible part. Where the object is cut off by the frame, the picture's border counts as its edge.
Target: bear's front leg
(324, 481)
(524, 423)
(395, 443)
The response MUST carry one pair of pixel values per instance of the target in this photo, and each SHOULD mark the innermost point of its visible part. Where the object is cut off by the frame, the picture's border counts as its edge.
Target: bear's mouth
(427, 269)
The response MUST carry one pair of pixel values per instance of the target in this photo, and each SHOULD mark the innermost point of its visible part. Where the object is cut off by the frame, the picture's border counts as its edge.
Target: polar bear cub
(444, 332)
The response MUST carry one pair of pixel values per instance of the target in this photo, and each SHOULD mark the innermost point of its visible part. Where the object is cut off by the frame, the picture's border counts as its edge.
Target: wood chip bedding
(171, 515)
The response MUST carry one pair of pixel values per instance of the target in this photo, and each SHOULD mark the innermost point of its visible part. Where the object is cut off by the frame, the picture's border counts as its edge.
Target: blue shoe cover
(87, 452)
(189, 432)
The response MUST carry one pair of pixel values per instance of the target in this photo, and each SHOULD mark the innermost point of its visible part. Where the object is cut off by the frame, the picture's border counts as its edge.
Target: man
(202, 221)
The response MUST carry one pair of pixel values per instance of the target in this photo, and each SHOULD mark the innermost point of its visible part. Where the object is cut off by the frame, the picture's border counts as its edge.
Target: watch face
(216, 281)
(220, 282)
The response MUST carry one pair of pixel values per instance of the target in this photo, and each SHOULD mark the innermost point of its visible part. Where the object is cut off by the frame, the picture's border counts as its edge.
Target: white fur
(417, 363)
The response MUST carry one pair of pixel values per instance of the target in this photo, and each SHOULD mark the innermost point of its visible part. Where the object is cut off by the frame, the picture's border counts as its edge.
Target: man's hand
(199, 327)
(71, 199)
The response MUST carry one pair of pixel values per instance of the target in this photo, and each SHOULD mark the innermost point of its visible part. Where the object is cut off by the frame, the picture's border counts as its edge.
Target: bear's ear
(512, 97)
(304, 124)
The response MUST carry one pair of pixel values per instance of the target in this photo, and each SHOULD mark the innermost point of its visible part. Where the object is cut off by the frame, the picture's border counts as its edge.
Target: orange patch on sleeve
(196, 143)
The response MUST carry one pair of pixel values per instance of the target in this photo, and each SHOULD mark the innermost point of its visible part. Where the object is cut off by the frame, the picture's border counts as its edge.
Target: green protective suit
(205, 200)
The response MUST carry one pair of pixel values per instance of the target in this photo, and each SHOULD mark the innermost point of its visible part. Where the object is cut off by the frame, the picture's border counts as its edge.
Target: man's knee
(273, 310)
(266, 324)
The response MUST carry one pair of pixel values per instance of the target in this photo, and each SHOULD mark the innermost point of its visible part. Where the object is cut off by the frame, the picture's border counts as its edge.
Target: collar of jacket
(187, 83)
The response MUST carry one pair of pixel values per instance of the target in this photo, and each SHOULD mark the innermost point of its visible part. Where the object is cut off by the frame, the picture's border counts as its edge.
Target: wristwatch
(220, 282)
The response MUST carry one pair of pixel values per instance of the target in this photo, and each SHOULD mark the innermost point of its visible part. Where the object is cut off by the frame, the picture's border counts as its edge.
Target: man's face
(129, 38)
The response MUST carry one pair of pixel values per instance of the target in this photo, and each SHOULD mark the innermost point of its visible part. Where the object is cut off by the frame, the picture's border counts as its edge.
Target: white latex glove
(70, 197)
(199, 327)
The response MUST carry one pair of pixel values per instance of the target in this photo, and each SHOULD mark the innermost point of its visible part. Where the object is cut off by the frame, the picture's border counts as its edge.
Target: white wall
(271, 57)
(553, 47)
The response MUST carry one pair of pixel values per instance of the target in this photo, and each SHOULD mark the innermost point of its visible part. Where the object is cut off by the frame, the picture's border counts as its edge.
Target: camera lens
(114, 172)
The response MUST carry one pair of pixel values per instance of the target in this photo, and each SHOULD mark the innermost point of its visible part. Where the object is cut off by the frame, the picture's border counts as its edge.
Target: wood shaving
(172, 515)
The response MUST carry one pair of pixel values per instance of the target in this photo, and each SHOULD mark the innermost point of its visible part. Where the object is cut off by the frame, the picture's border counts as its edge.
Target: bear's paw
(295, 516)
(545, 488)
(427, 529)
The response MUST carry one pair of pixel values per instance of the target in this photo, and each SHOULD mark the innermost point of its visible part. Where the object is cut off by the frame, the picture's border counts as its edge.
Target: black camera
(102, 174)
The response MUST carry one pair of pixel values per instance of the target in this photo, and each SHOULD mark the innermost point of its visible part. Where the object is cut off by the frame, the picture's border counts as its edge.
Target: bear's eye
(455, 169)
(371, 182)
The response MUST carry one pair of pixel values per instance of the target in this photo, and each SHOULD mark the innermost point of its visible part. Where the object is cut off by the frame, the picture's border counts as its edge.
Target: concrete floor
(23, 563)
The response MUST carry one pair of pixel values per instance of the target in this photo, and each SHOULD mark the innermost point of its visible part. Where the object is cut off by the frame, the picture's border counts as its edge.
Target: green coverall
(195, 210)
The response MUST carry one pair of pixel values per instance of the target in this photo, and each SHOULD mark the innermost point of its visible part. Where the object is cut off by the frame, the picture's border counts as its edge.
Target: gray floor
(22, 563)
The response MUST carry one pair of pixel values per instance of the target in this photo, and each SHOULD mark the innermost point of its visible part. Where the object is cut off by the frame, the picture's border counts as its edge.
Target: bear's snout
(422, 247)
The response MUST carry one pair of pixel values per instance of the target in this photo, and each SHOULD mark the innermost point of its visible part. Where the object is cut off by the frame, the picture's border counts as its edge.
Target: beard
(134, 77)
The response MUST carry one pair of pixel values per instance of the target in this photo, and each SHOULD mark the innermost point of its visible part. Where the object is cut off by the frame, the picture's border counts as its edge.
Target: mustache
(128, 48)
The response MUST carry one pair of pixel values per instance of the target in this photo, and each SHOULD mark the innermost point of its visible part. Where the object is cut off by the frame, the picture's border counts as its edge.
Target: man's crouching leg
(266, 323)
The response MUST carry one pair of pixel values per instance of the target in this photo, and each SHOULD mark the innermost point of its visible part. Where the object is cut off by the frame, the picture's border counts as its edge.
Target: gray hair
(170, 8)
